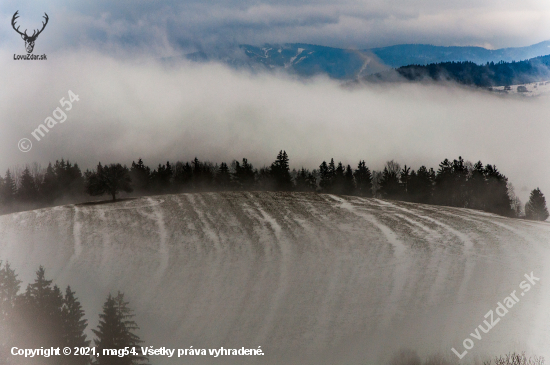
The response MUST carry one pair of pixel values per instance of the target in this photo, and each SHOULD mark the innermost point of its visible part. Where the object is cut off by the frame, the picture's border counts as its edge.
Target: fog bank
(131, 108)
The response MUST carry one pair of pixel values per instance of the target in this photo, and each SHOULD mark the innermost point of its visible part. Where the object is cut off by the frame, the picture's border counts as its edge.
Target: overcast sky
(186, 25)
(133, 106)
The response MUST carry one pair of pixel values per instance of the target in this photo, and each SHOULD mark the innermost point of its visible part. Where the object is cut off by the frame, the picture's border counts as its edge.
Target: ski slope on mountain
(311, 278)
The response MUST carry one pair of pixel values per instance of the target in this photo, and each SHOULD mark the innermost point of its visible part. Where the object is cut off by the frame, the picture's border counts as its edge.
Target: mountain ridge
(309, 60)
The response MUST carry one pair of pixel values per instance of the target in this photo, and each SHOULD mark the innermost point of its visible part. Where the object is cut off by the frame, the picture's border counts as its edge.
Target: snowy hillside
(312, 279)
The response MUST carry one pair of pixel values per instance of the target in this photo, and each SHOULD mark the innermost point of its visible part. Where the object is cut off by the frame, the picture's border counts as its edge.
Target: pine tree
(536, 209)
(326, 177)
(420, 185)
(477, 187)
(116, 330)
(349, 182)
(74, 326)
(405, 176)
(304, 181)
(28, 191)
(38, 314)
(140, 176)
(223, 177)
(9, 288)
(390, 187)
(363, 180)
(183, 177)
(280, 171)
(9, 190)
(497, 199)
(49, 189)
(444, 184)
(338, 180)
(202, 175)
(244, 176)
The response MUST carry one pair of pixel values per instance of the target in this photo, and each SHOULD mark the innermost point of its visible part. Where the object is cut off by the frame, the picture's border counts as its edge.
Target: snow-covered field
(312, 279)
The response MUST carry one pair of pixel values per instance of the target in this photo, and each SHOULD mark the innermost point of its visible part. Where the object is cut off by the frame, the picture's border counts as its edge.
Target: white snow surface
(311, 278)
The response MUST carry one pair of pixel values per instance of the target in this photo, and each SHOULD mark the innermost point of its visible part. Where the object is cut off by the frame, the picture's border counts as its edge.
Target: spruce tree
(9, 190)
(305, 181)
(74, 326)
(444, 184)
(9, 288)
(28, 191)
(477, 187)
(497, 199)
(536, 209)
(244, 177)
(405, 176)
(223, 177)
(420, 185)
(280, 171)
(39, 320)
(49, 188)
(338, 184)
(390, 186)
(363, 180)
(140, 176)
(116, 330)
(326, 176)
(349, 182)
(183, 177)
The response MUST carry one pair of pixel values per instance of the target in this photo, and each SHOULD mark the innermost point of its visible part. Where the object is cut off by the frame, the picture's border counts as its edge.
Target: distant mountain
(422, 54)
(468, 73)
(309, 60)
(296, 58)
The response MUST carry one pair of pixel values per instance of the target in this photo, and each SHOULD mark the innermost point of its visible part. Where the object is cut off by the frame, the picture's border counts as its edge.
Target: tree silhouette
(223, 177)
(363, 180)
(116, 330)
(140, 176)
(390, 186)
(74, 326)
(109, 179)
(9, 190)
(244, 177)
(9, 287)
(280, 171)
(305, 181)
(535, 208)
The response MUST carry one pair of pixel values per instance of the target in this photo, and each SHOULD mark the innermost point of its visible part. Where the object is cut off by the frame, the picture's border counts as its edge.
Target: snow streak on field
(313, 279)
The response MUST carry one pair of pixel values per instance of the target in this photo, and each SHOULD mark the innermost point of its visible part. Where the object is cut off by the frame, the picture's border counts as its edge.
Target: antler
(15, 16)
(43, 25)
(34, 34)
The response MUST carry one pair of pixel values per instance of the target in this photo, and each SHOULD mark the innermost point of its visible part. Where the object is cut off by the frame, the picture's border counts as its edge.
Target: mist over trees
(469, 73)
(456, 182)
(43, 317)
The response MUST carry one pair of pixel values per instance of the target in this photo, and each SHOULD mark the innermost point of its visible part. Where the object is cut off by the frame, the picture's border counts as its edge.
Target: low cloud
(135, 108)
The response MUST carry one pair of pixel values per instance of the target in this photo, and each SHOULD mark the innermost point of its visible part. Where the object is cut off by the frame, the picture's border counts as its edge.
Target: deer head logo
(29, 40)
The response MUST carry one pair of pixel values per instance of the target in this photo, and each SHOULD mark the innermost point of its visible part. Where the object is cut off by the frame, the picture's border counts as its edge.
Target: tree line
(456, 183)
(44, 317)
(469, 73)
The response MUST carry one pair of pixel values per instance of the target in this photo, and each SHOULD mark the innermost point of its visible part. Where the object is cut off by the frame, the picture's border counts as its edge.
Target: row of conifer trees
(456, 183)
(43, 317)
